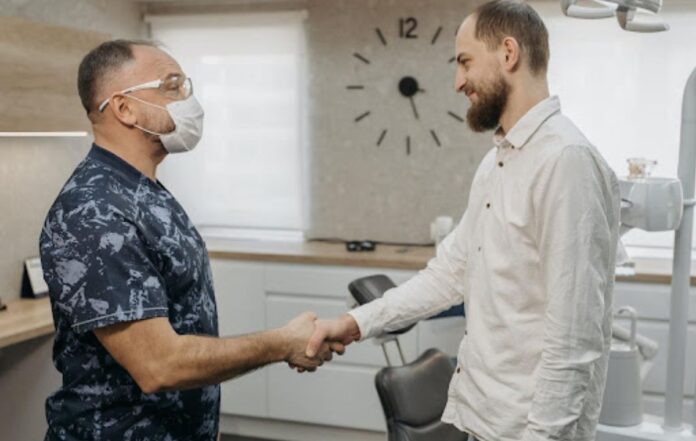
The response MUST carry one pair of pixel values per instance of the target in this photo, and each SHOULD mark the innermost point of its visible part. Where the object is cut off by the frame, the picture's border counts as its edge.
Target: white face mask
(187, 116)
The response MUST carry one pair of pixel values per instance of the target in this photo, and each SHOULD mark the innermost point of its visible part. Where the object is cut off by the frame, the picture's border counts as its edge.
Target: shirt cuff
(365, 316)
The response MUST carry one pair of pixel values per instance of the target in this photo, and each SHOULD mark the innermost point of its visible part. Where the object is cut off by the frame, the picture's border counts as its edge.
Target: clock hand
(413, 105)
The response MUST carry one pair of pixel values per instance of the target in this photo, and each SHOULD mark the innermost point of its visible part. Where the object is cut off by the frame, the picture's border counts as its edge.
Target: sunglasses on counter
(360, 245)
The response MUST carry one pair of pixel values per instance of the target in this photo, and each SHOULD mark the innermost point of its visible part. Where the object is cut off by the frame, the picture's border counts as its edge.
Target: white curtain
(248, 74)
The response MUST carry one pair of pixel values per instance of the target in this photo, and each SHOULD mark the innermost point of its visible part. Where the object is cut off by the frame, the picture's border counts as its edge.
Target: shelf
(25, 319)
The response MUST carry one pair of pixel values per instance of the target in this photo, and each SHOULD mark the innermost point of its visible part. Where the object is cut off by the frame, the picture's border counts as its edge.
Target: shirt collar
(520, 133)
(106, 157)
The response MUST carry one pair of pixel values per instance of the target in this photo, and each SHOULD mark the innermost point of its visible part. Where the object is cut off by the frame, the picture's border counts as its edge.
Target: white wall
(624, 89)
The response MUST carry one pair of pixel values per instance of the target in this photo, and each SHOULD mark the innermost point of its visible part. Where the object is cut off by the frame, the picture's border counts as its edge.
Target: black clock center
(408, 86)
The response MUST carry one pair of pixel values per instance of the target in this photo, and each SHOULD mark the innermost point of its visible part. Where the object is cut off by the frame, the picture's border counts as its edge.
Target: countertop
(25, 319)
(320, 253)
(385, 256)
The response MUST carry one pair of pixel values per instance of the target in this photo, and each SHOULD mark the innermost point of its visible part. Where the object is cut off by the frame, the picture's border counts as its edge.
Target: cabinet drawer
(651, 300)
(245, 395)
(334, 395)
(324, 281)
(240, 297)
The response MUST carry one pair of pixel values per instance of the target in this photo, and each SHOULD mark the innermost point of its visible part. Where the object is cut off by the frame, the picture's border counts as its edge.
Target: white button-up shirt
(533, 261)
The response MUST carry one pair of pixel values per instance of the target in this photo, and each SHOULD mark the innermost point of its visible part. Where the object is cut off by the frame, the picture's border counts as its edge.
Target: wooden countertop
(25, 319)
(385, 256)
(321, 253)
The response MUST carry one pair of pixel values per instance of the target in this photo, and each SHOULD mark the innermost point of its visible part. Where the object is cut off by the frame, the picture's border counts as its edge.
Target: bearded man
(532, 259)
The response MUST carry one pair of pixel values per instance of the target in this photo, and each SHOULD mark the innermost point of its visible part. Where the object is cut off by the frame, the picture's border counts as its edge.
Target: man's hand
(342, 330)
(296, 334)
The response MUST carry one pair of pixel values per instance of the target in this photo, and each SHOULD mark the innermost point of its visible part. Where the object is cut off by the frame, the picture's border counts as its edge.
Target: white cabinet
(241, 310)
(253, 296)
(652, 303)
(256, 296)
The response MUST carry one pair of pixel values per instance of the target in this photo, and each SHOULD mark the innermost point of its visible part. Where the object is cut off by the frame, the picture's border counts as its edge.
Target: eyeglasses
(174, 86)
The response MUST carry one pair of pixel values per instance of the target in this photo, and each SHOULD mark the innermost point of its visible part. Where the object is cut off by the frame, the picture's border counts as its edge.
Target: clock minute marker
(381, 36)
(437, 140)
(451, 60)
(381, 137)
(361, 58)
(355, 87)
(361, 116)
(436, 36)
(455, 116)
(408, 145)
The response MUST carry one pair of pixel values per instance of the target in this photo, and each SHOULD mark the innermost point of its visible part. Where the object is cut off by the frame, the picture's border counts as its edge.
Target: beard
(492, 99)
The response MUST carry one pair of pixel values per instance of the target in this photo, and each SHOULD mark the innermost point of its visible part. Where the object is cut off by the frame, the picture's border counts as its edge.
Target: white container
(623, 396)
(651, 204)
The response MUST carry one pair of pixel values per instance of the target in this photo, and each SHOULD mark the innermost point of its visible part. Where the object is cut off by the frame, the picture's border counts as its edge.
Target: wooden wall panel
(38, 75)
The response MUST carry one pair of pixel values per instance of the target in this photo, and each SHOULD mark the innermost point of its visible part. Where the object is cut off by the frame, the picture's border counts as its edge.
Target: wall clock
(410, 87)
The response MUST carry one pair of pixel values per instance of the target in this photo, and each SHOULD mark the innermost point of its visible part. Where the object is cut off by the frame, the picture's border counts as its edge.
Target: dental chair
(413, 396)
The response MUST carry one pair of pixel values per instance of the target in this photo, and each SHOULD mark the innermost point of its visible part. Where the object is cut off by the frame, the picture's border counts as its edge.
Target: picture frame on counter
(33, 284)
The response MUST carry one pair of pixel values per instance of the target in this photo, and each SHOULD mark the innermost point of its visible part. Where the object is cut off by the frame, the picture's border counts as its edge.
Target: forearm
(199, 361)
(421, 297)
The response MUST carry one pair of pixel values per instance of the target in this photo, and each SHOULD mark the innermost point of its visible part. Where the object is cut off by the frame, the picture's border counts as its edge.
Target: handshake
(310, 341)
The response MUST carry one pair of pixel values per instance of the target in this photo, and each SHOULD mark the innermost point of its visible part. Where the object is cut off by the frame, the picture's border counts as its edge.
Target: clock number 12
(407, 27)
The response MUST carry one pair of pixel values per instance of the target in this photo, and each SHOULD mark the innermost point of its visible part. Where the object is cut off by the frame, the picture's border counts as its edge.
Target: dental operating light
(571, 9)
(626, 12)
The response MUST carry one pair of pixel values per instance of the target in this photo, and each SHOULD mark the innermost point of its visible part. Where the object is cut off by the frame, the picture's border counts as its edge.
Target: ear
(122, 110)
(510, 54)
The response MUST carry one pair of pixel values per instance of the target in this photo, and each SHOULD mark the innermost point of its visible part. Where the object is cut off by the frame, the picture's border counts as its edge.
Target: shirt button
(459, 370)
(479, 248)
(488, 205)
(500, 164)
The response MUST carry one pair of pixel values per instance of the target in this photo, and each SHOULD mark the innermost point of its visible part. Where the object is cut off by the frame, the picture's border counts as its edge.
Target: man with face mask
(129, 276)
(532, 258)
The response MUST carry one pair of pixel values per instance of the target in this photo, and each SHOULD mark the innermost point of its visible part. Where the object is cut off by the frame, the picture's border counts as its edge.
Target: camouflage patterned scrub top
(117, 247)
